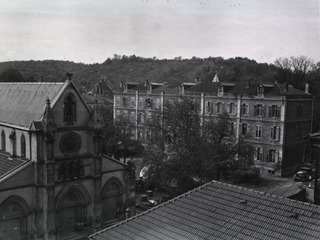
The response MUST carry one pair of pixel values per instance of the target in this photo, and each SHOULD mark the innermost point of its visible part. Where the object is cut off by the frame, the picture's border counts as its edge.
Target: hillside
(138, 69)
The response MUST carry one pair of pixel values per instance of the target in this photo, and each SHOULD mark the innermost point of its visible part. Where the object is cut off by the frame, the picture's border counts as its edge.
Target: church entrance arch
(112, 200)
(13, 219)
(71, 209)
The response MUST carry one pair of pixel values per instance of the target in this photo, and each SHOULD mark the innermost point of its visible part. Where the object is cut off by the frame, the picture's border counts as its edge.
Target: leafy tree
(11, 75)
(118, 137)
(188, 152)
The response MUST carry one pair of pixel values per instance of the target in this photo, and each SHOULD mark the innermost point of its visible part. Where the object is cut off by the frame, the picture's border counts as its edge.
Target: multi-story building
(273, 117)
(54, 181)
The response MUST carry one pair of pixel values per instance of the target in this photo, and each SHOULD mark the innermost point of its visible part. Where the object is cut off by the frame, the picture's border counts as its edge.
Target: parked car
(301, 176)
(305, 173)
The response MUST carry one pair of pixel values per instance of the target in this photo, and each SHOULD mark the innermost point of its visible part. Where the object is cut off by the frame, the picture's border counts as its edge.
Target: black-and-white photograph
(159, 119)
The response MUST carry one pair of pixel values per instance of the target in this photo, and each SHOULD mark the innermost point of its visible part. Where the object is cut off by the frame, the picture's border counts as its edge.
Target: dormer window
(260, 91)
(70, 109)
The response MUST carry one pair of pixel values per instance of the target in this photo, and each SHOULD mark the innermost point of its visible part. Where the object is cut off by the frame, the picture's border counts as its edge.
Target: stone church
(54, 181)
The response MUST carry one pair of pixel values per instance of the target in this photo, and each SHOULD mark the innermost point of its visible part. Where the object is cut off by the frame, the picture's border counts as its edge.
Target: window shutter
(228, 106)
(255, 154)
(247, 112)
(278, 133)
(278, 112)
(270, 111)
(261, 153)
(276, 156)
(248, 128)
(255, 110)
(267, 156)
(271, 132)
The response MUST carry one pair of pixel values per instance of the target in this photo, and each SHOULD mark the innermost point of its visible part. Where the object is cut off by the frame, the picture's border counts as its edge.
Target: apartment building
(273, 117)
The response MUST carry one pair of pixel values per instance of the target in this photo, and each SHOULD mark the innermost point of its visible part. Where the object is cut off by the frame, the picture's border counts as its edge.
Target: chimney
(306, 88)
(248, 84)
(121, 84)
(286, 87)
(146, 83)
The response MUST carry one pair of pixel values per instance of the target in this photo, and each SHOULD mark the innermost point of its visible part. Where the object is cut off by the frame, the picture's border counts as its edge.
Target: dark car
(302, 175)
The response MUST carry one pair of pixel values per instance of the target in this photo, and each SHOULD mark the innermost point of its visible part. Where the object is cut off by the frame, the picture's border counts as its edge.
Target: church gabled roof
(23, 103)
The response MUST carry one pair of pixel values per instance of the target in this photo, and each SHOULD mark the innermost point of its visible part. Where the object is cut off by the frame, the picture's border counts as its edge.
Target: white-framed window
(117, 101)
(271, 155)
(141, 103)
(275, 133)
(158, 103)
(258, 131)
(220, 90)
(274, 111)
(124, 102)
(220, 107)
(259, 110)
(260, 91)
(133, 102)
(140, 117)
(209, 107)
(232, 108)
(244, 129)
(244, 109)
(132, 116)
(258, 154)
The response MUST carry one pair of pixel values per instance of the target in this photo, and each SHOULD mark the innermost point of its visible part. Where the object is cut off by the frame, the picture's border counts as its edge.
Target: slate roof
(221, 211)
(246, 88)
(21, 103)
(9, 164)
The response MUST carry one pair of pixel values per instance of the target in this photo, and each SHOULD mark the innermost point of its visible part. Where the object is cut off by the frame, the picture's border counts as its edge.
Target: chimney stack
(306, 89)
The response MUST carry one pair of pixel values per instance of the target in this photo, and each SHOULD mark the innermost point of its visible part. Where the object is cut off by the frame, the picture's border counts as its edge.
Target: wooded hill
(295, 71)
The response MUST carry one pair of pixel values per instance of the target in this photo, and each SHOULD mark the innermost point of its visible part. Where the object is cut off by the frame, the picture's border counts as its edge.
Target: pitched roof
(9, 164)
(221, 211)
(246, 88)
(21, 103)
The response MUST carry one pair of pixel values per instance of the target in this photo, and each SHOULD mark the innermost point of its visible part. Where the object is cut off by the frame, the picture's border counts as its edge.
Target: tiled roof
(21, 103)
(221, 211)
(9, 164)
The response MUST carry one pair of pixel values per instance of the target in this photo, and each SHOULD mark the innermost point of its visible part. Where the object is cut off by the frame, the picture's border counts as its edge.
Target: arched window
(3, 141)
(12, 137)
(69, 109)
(23, 146)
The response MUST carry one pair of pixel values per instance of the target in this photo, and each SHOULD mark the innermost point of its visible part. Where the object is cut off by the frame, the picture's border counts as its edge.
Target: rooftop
(9, 164)
(22, 103)
(221, 211)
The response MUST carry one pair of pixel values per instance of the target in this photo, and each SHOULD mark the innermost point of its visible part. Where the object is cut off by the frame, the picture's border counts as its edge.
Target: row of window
(13, 141)
(266, 155)
(143, 103)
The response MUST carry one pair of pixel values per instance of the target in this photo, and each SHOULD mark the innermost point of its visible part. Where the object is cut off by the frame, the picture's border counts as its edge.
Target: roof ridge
(265, 193)
(33, 83)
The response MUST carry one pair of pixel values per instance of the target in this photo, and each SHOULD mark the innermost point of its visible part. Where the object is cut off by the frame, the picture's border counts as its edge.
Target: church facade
(54, 181)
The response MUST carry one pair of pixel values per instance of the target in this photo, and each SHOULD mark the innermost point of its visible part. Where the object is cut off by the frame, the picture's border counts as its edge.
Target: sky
(91, 31)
